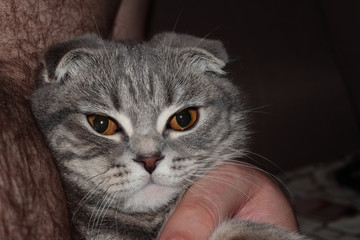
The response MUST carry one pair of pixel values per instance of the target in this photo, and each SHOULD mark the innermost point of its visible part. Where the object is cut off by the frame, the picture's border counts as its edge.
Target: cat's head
(137, 123)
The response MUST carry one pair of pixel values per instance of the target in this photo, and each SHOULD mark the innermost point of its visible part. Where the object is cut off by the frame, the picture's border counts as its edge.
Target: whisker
(168, 45)
(255, 110)
(96, 175)
(98, 32)
(105, 209)
(277, 179)
(227, 183)
(177, 19)
(217, 210)
(93, 217)
(264, 158)
(86, 197)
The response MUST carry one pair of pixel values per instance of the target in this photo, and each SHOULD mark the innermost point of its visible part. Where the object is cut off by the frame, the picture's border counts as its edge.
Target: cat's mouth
(153, 185)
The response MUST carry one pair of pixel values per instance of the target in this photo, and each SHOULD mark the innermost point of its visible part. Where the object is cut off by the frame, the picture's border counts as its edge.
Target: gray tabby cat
(131, 126)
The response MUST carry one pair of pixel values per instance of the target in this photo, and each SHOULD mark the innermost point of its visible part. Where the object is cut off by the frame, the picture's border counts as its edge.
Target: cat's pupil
(183, 118)
(100, 123)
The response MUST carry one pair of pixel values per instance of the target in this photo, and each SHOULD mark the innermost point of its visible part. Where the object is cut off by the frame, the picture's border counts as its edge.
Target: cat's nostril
(149, 162)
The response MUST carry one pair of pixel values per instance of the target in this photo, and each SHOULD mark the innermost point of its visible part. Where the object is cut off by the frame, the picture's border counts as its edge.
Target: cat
(132, 125)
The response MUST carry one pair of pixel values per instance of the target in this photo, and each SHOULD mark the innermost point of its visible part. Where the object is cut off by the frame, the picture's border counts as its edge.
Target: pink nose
(149, 162)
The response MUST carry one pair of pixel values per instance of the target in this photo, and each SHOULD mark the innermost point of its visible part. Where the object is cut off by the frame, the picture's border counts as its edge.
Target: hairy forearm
(32, 202)
(27, 27)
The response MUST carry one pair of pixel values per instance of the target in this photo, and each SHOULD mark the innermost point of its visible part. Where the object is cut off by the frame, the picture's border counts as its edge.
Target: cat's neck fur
(112, 222)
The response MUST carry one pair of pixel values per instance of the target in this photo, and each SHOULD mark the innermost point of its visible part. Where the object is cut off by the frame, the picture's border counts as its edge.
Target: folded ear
(204, 54)
(66, 58)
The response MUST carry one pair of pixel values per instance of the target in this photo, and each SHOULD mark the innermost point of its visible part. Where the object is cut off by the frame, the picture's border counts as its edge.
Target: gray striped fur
(139, 85)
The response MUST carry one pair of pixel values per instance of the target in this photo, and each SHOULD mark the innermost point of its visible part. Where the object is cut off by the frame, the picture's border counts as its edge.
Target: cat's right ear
(64, 59)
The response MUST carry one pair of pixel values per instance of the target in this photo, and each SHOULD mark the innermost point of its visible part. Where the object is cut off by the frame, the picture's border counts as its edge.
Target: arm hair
(32, 202)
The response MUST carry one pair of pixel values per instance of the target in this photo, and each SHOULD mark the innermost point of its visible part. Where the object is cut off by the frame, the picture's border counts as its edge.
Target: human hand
(235, 191)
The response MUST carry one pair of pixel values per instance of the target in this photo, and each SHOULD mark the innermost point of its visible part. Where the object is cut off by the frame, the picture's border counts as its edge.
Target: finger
(268, 205)
(210, 200)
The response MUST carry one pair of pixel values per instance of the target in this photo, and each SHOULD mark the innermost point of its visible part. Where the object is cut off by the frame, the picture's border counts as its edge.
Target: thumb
(210, 200)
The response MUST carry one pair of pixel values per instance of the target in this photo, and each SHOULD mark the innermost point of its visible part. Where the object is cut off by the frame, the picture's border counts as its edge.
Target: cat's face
(138, 123)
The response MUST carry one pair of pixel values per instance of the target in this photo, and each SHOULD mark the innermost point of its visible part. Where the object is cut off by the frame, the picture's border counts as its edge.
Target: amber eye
(102, 124)
(183, 119)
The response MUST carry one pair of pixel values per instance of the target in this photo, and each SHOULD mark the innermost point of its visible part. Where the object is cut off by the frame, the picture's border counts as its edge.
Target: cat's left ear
(205, 55)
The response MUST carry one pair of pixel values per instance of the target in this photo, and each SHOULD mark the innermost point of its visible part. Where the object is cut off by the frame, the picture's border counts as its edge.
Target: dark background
(298, 61)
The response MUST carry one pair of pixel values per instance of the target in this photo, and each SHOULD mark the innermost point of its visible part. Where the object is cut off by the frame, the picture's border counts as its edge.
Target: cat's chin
(150, 198)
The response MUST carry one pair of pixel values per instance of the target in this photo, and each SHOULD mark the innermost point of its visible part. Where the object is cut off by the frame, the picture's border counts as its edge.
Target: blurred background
(298, 63)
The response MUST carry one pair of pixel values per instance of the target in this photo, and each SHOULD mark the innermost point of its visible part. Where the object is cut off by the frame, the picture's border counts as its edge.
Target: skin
(243, 193)
(32, 202)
